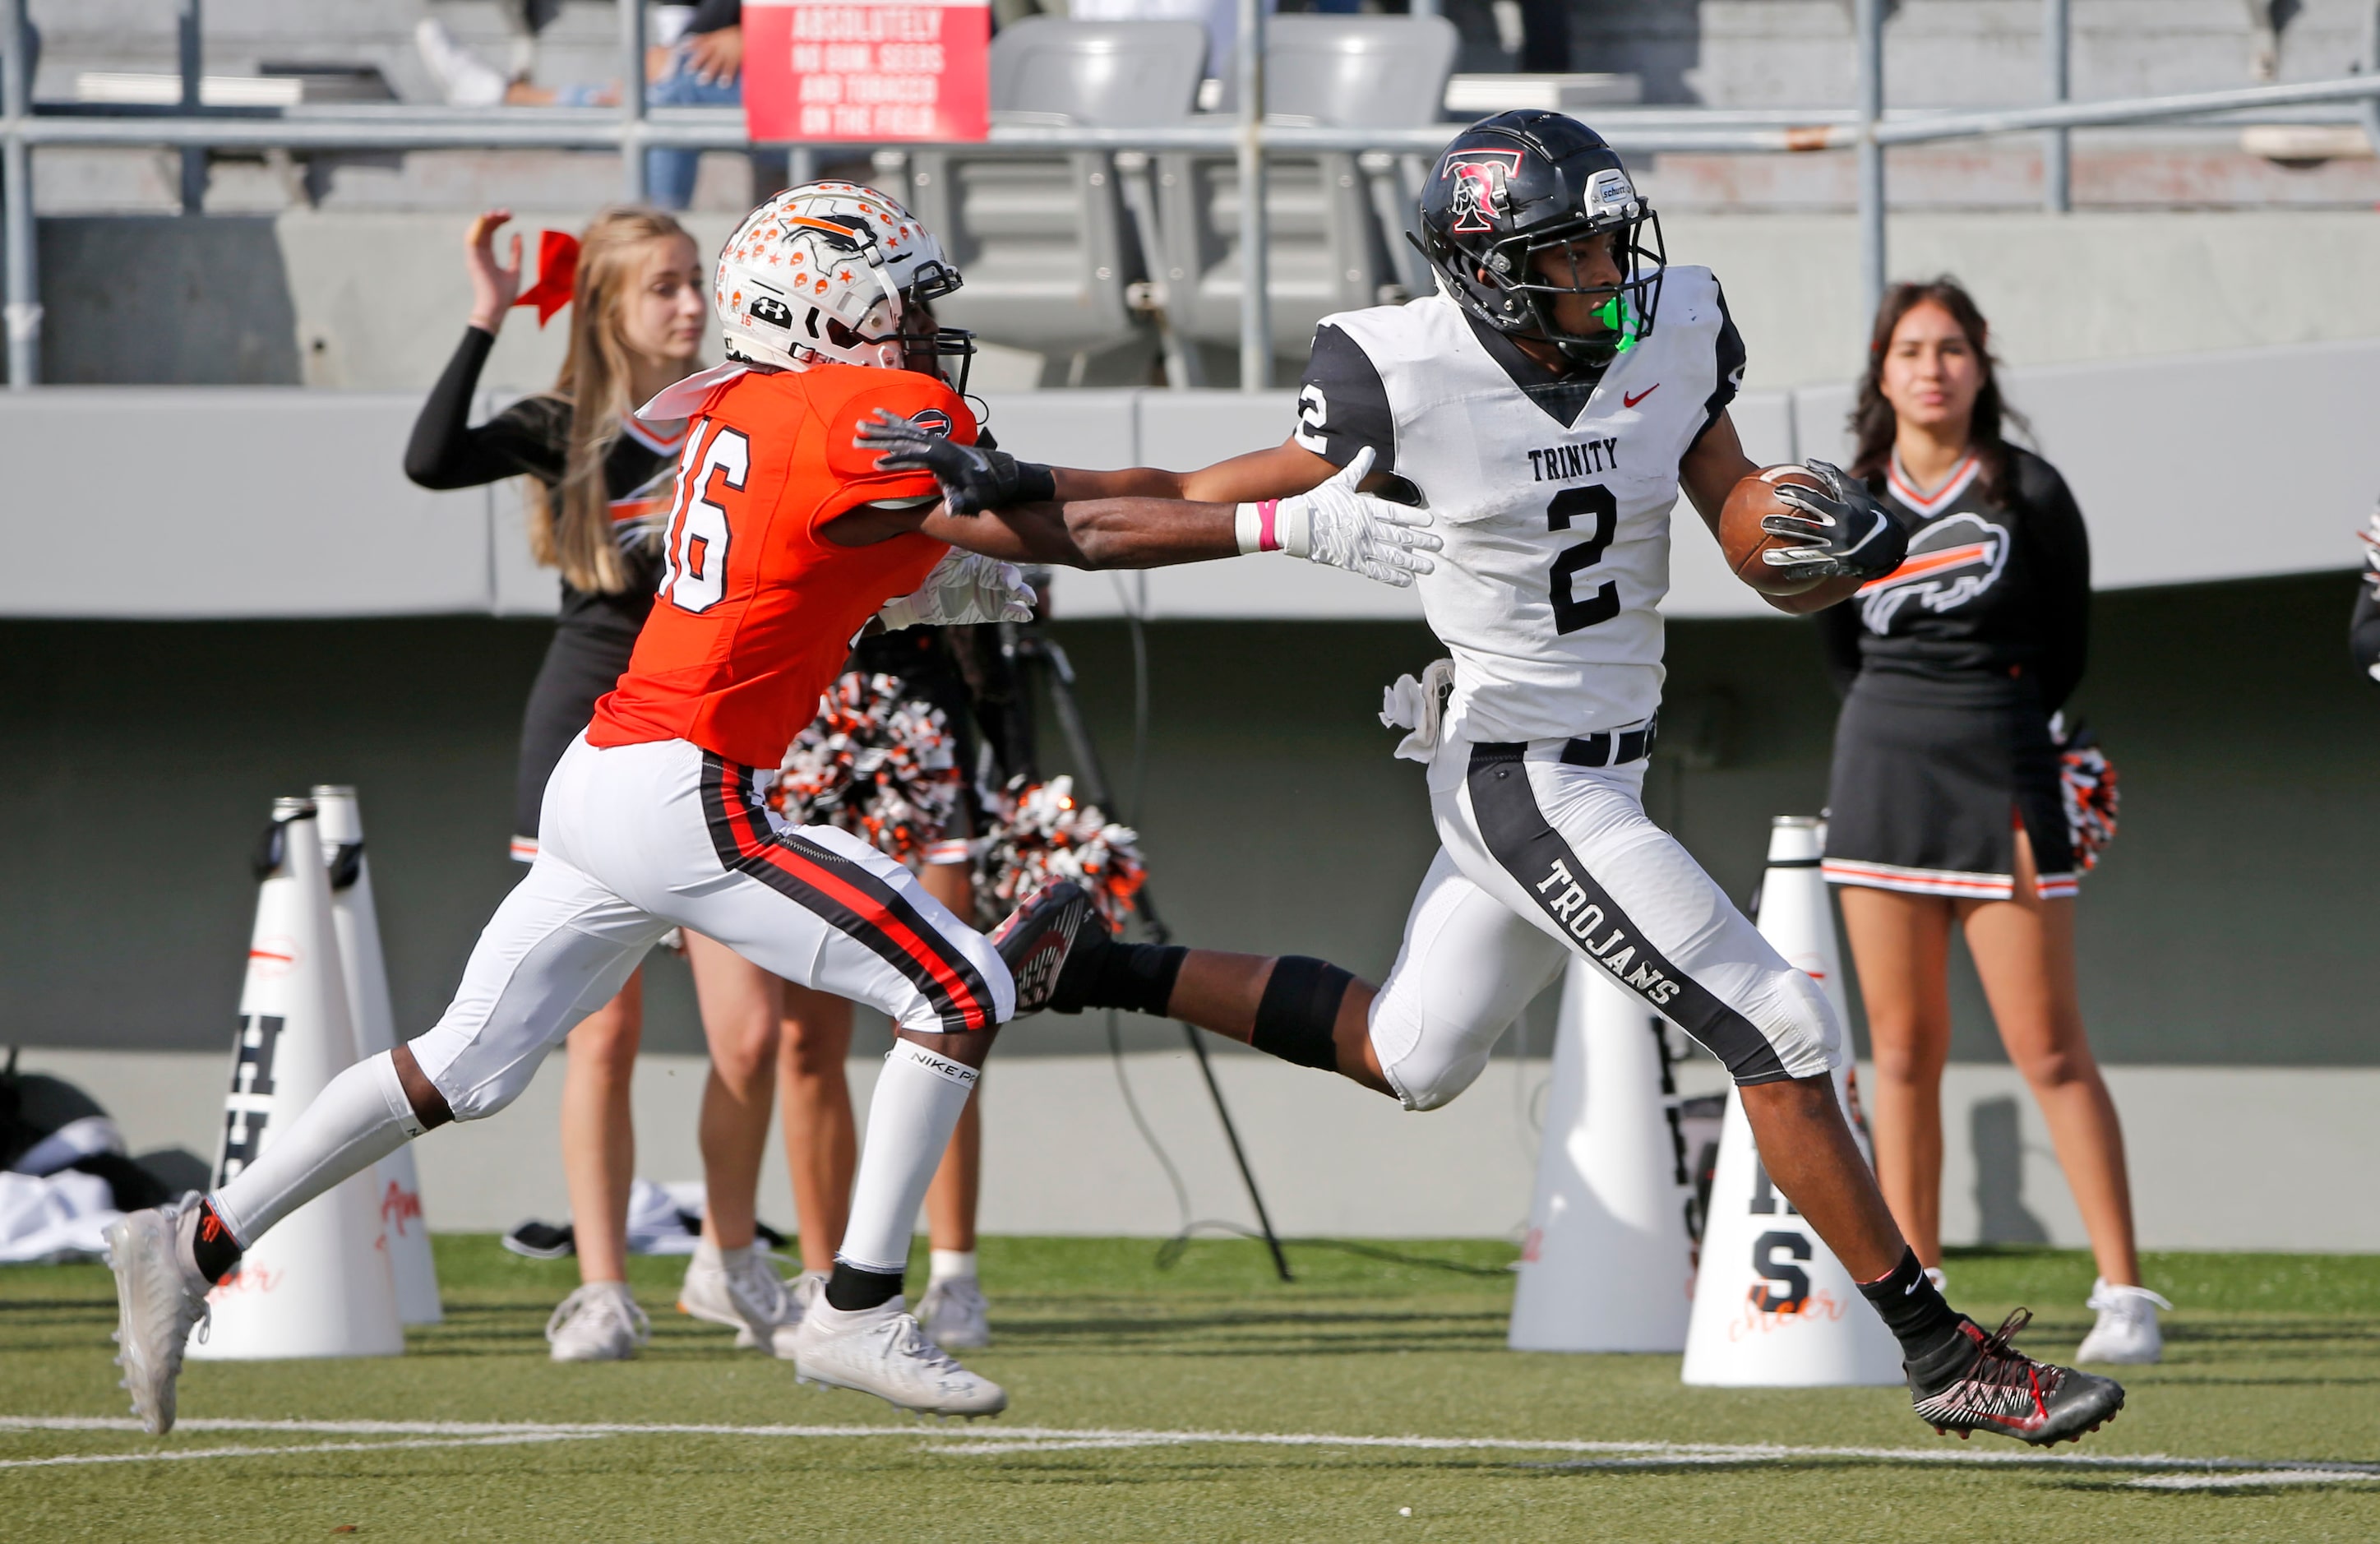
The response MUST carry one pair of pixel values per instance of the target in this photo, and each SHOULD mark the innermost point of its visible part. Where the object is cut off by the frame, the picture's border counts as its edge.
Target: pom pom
(875, 764)
(2086, 782)
(1044, 835)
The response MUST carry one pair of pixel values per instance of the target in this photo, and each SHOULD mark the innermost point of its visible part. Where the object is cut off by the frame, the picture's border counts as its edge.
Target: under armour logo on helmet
(1480, 179)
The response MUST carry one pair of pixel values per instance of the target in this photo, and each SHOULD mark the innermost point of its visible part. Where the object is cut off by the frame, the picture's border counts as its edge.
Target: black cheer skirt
(581, 664)
(1931, 779)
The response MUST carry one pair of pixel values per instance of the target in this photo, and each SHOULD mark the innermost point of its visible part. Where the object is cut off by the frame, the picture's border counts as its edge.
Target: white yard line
(2259, 1476)
(2177, 1472)
(170, 1455)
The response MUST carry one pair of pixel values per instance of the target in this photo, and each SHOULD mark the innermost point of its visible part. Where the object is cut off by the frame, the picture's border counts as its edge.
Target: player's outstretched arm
(1335, 524)
(976, 476)
(1709, 472)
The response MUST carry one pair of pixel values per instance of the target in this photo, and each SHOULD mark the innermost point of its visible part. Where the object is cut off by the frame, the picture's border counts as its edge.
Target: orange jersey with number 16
(757, 608)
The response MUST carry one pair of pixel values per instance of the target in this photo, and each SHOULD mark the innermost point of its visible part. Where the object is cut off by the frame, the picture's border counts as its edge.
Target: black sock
(212, 1248)
(1136, 977)
(1912, 1309)
(851, 1289)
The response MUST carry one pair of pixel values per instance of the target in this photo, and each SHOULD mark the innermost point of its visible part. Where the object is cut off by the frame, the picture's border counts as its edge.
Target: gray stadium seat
(1045, 238)
(1330, 251)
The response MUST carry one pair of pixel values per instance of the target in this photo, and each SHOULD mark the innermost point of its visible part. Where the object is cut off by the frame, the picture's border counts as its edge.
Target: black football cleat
(1048, 943)
(1979, 1382)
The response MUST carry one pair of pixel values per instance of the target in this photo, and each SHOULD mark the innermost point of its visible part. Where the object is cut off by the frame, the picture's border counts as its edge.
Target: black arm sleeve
(1730, 363)
(2363, 629)
(1342, 406)
(445, 451)
(1839, 632)
(713, 16)
(2063, 546)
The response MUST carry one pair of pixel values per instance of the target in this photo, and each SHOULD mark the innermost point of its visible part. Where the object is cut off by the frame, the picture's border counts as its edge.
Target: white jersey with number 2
(1553, 495)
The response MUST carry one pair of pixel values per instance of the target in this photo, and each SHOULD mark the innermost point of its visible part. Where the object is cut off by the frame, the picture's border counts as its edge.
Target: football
(1740, 535)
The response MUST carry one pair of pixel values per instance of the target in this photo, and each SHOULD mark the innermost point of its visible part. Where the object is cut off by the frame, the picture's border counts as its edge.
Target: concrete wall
(281, 502)
(1336, 1161)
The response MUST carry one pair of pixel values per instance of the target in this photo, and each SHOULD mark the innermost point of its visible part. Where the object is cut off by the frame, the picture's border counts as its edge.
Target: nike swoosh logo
(1628, 401)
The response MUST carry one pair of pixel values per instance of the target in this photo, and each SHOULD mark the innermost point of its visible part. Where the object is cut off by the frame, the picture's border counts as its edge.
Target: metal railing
(632, 128)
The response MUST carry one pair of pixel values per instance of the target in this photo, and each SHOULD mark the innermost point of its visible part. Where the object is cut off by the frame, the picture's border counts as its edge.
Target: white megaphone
(356, 920)
(1608, 1264)
(318, 1284)
(1773, 1307)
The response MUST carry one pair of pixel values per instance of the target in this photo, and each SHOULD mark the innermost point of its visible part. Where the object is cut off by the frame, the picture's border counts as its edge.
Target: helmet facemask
(1624, 308)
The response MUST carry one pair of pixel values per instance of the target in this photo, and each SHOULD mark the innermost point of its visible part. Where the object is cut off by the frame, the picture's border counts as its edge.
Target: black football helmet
(1524, 182)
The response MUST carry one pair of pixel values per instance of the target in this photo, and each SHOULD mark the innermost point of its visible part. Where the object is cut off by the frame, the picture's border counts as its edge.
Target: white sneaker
(600, 1322)
(741, 1290)
(954, 1315)
(881, 1351)
(2127, 1330)
(464, 78)
(1934, 1274)
(157, 1304)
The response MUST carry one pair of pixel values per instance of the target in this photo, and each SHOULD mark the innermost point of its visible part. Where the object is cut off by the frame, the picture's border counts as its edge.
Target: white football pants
(635, 840)
(1539, 858)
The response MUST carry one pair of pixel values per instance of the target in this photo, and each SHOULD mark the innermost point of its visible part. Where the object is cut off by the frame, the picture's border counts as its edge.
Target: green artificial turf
(2270, 1357)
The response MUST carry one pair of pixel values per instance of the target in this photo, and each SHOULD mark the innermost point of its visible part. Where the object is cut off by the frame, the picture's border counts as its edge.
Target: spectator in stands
(704, 67)
(2363, 626)
(1945, 804)
(697, 61)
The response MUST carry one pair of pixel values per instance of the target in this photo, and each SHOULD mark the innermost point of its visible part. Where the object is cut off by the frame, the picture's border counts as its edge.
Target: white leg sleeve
(360, 1117)
(1466, 969)
(916, 1107)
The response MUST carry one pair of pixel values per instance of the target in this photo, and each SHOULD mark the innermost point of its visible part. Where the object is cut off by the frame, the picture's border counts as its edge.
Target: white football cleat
(882, 1351)
(740, 1289)
(954, 1315)
(2127, 1330)
(600, 1322)
(157, 1304)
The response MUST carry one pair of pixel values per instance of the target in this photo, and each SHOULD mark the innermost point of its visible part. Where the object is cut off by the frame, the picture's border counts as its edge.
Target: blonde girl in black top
(1945, 807)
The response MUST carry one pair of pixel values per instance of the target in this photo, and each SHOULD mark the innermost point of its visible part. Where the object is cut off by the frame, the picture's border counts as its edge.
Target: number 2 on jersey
(695, 575)
(1571, 613)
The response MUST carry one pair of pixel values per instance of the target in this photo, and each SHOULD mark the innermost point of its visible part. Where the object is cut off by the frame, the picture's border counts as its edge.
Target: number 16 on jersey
(694, 573)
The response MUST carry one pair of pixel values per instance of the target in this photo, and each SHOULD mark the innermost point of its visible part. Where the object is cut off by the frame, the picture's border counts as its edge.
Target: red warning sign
(866, 70)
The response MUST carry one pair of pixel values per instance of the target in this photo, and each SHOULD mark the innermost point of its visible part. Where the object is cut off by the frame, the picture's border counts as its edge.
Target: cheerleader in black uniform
(596, 482)
(1944, 806)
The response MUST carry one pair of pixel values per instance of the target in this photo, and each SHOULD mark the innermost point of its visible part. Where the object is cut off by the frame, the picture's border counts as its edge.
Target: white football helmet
(828, 269)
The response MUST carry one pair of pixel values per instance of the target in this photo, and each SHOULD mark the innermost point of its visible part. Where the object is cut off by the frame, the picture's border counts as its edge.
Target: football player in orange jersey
(785, 538)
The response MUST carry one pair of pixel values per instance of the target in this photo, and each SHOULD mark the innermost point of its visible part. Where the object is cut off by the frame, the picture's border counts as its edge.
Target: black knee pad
(1299, 1007)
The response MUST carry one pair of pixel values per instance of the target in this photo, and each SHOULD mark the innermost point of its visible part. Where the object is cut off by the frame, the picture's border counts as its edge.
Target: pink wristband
(1267, 540)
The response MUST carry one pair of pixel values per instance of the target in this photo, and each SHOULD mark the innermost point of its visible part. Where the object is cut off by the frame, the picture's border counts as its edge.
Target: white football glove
(965, 587)
(1345, 529)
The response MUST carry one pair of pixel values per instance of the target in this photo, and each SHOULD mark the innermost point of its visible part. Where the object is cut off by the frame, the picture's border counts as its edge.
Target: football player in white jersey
(1546, 406)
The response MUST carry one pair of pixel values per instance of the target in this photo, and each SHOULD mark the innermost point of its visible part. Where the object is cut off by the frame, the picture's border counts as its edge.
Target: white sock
(359, 1118)
(951, 1265)
(915, 1108)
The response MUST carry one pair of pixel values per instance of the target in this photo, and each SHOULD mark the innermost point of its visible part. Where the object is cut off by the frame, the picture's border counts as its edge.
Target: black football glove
(1845, 531)
(974, 477)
